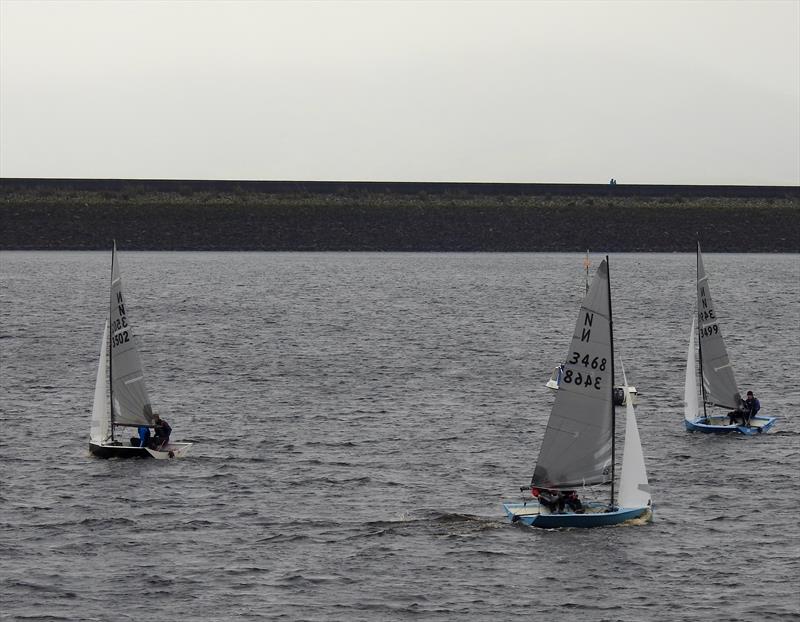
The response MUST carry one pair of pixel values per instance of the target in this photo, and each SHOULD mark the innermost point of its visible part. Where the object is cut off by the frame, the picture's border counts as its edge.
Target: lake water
(358, 419)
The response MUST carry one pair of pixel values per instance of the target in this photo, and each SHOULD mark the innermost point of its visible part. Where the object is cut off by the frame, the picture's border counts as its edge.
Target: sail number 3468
(590, 363)
(595, 363)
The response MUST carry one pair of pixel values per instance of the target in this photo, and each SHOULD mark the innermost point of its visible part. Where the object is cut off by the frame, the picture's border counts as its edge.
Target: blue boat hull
(720, 425)
(595, 516)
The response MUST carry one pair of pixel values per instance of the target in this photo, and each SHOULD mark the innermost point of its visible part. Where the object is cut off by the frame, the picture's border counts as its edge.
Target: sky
(645, 92)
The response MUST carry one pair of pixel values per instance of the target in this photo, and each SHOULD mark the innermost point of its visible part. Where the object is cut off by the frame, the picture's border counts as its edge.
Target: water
(358, 419)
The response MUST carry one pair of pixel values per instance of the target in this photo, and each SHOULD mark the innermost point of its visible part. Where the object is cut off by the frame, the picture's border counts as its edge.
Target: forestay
(577, 445)
(130, 401)
(718, 380)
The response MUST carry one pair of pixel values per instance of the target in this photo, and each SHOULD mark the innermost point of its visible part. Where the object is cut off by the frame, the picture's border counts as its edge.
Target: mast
(110, 342)
(700, 341)
(611, 385)
(586, 268)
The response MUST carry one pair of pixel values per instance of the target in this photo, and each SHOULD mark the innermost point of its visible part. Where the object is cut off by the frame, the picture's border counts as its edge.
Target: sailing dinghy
(718, 386)
(578, 449)
(120, 394)
(558, 370)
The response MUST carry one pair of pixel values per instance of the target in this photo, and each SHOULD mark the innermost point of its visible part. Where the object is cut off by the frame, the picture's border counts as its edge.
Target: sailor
(553, 500)
(745, 410)
(163, 430)
(751, 407)
(738, 412)
(573, 501)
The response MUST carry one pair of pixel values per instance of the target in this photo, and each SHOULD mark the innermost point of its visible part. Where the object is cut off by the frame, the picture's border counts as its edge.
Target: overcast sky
(646, 92)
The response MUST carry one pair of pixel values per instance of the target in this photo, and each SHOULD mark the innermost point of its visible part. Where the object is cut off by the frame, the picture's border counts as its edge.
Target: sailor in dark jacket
(746, 410)
(553, 500)
(751, 407)
(163, 430)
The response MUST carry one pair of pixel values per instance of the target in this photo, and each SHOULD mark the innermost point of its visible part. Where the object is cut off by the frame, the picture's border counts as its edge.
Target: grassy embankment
(236, 218)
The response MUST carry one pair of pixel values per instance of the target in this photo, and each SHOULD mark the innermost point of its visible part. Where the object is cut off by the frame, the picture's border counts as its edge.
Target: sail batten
(577, 445)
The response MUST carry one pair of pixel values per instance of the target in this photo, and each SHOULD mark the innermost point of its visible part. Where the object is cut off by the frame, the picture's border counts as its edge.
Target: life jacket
(144, 435)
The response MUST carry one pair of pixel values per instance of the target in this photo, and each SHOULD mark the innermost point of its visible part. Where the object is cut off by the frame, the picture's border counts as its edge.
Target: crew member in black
(745, 410)
(573, 502)
(162, 430)
(553, 500)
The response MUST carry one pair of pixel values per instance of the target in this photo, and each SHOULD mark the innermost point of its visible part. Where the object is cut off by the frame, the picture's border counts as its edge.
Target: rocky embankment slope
(353, 216)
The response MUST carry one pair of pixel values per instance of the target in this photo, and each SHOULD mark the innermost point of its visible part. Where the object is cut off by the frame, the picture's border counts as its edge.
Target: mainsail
(577, 445)
(718, 381)
(129, 399)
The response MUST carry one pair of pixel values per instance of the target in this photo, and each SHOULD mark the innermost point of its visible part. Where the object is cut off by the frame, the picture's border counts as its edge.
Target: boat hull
(595, 516)
(173, 450)
(721, 425)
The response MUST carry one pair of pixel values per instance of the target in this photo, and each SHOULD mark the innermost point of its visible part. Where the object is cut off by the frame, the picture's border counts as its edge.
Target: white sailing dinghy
(718, 386)
(578, 449)
(120, 394)
(558, 370)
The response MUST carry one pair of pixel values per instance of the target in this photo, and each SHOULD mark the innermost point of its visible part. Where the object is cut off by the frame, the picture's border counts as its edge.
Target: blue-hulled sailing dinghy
(578, 449)
(720, 392)
(120, 395)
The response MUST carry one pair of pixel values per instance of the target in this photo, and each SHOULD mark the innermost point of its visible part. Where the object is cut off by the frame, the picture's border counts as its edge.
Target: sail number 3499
(708, 331)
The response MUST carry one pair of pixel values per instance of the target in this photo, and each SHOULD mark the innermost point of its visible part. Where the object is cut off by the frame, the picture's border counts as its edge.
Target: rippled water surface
(359, 417)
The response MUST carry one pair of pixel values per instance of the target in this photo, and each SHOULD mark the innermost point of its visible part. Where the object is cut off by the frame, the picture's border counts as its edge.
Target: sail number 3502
(577, 378)
(120, 338)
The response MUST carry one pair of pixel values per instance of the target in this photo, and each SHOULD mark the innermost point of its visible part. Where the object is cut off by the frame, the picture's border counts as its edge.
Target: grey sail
(129, 399)
(719, 383)
(577, 445)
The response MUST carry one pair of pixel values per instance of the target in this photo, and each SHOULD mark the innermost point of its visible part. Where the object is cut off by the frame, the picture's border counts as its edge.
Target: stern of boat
(172, 450)
(758, 425)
